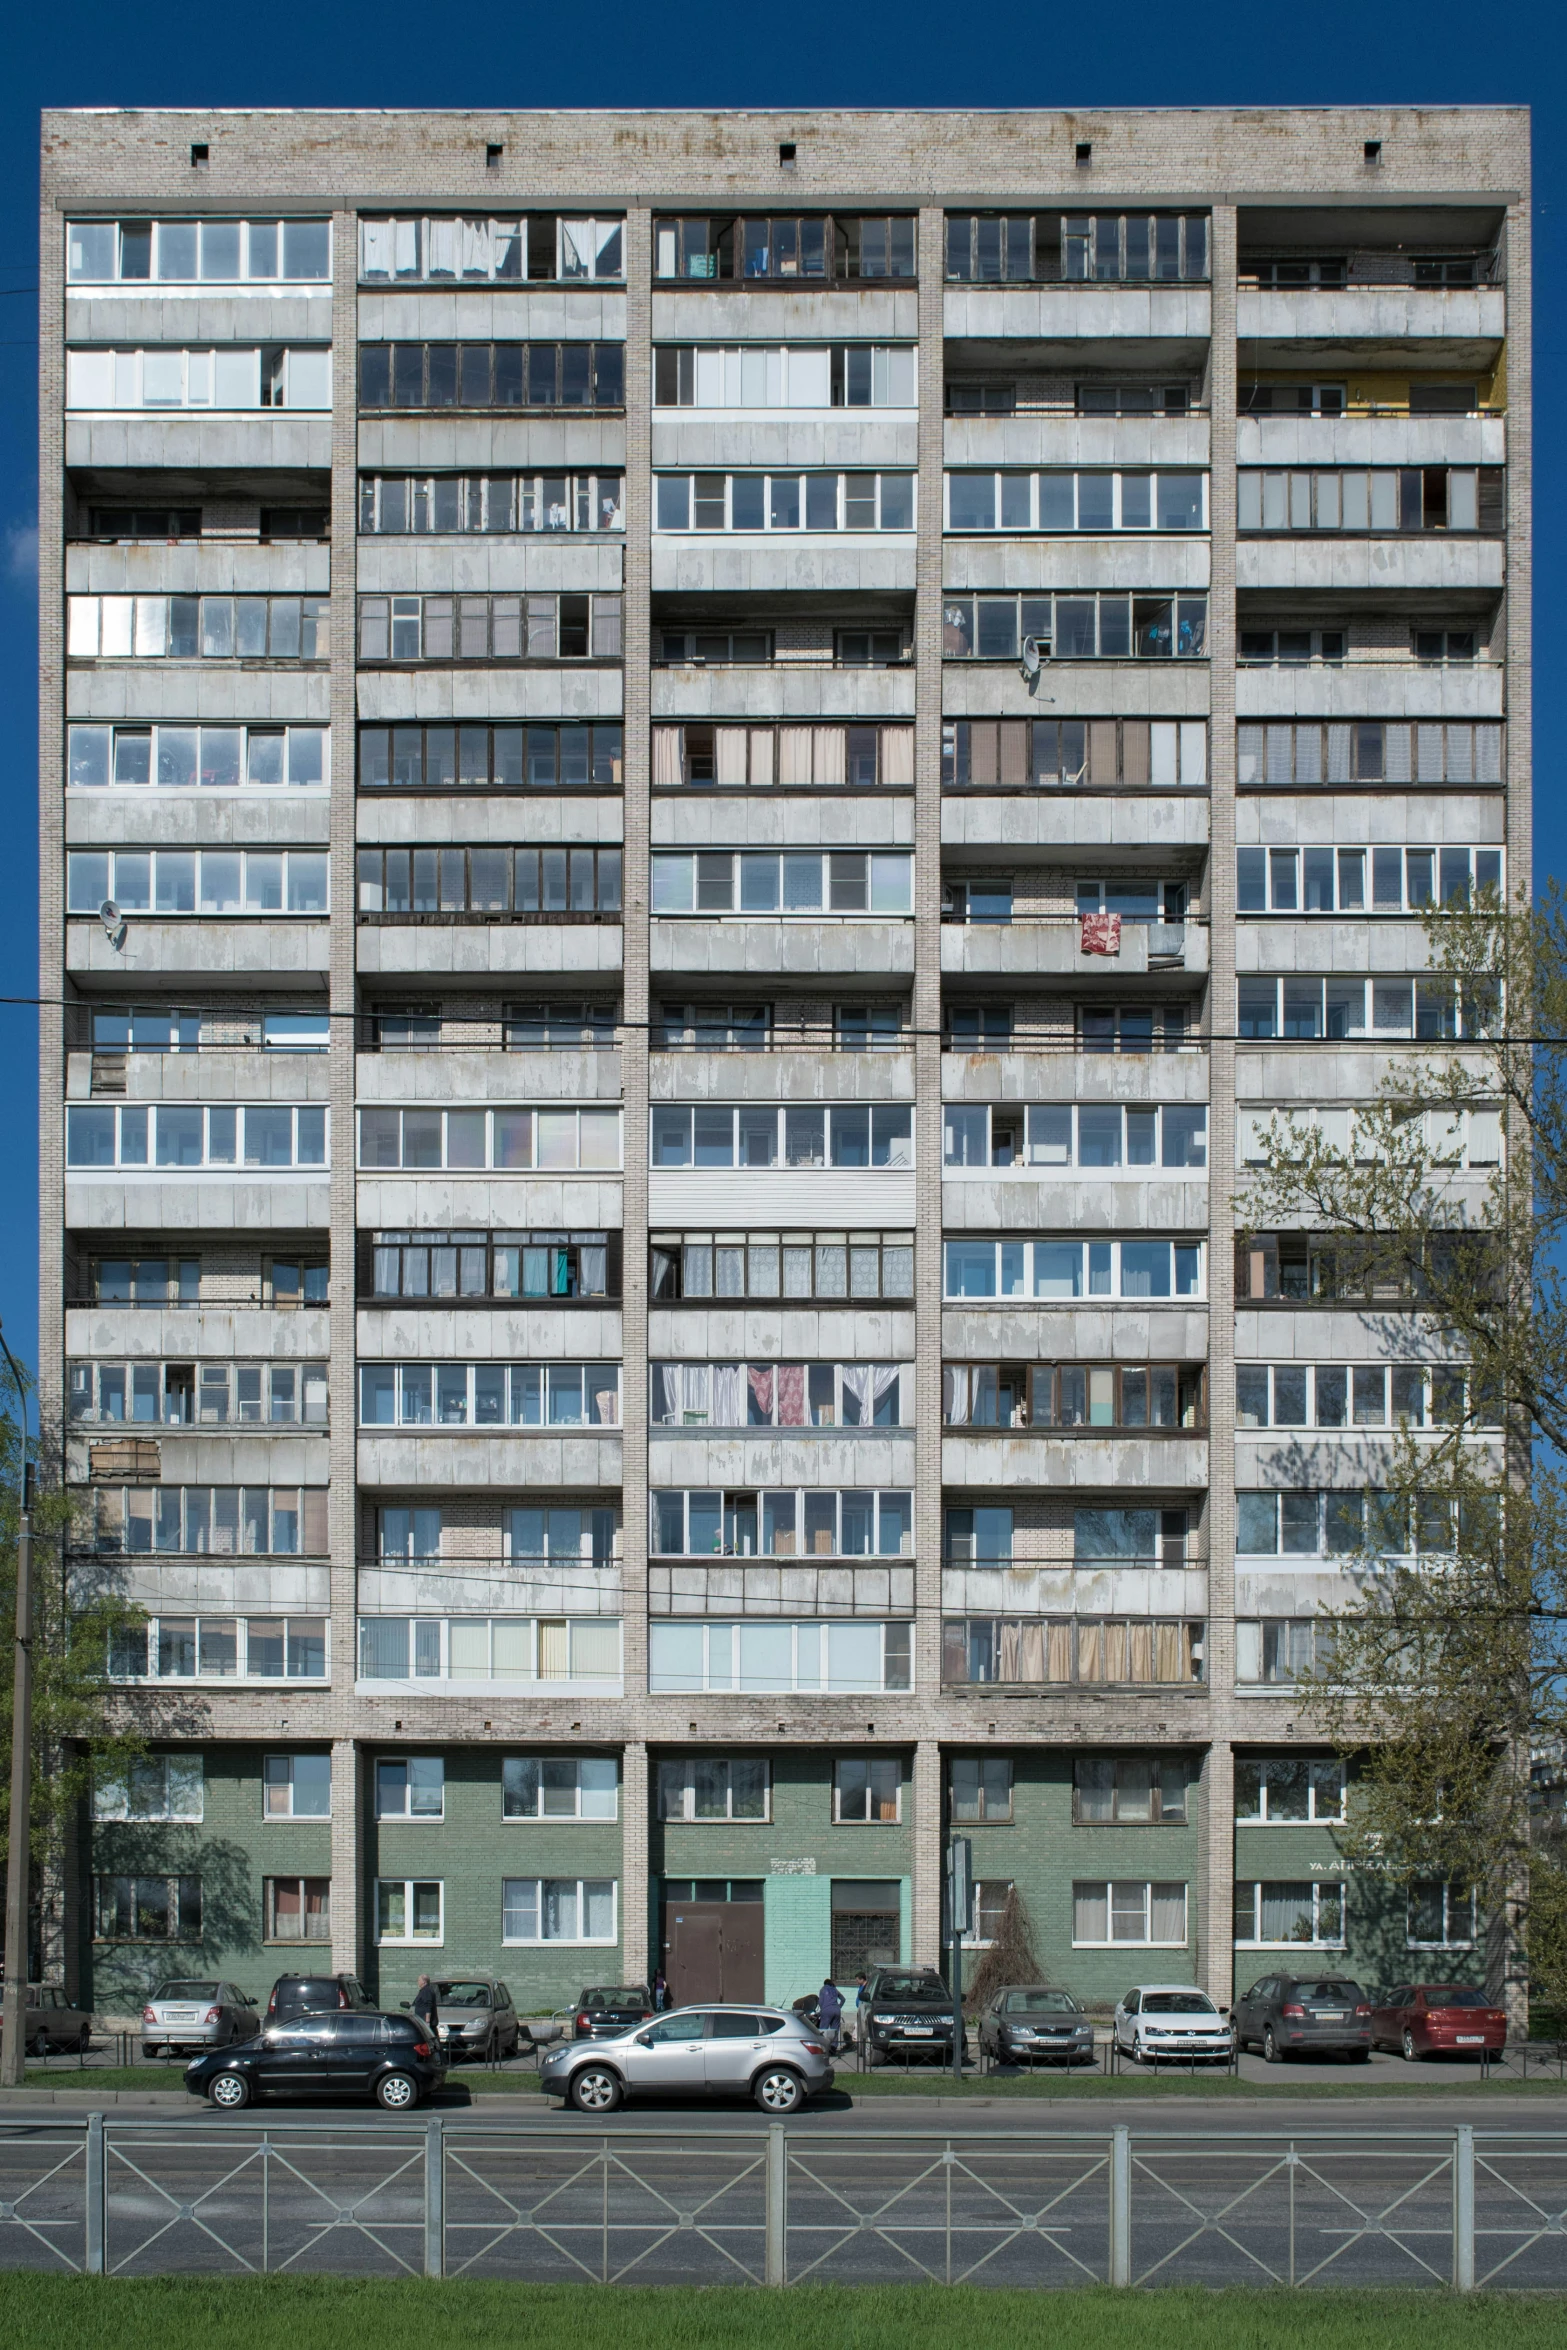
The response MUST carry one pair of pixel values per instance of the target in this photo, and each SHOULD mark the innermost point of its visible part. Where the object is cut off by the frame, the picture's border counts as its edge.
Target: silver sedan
(194, 2014)
(759, 2052)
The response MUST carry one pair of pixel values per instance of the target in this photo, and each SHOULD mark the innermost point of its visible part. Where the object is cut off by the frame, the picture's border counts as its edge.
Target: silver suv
(757, 2052)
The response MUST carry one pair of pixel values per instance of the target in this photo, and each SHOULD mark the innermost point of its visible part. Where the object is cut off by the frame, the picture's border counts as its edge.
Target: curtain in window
(761, 1382)
(791, 1395)
(955, 1395)
(378, 245)
(664, 1393)
(884, 1377)
(553, 1651)
(794, 755)
(761, 755)
(1286, 1913)
(858, 1382)
(1010, 1650)
(1139, 1641)
(1015, 747)
(405, 238)
(1031, 1651)
(1059, 1650)
(1091, 1652)
(728, 1395)
(1172, 1652)
(832, 744)
(897, 754)
(606, 1402)
(1167, 1913)
(697, 1397)
(729, 754)
(667, 747)
(476, 248)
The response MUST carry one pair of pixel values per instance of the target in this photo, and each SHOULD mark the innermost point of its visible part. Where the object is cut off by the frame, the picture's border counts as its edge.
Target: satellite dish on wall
(113, 922)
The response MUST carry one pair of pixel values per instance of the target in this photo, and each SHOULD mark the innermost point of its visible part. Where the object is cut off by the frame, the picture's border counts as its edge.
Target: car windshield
(912, 1987)
(1328, 1989)
(463, 1994)
(619, 1995)
(1453, 1997)
(188, 1991)
(1177, 2003)
(1040, 2003)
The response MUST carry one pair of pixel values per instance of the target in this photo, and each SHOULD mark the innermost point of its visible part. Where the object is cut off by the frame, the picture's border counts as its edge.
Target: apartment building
(701, 777)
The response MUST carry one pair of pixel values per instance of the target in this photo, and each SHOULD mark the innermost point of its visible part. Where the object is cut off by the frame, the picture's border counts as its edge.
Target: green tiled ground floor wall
(797, 1854)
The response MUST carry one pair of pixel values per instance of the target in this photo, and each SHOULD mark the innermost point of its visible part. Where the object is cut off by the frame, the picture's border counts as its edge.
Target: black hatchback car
(355, 2052)
(315, 1995)
(1305, 2015)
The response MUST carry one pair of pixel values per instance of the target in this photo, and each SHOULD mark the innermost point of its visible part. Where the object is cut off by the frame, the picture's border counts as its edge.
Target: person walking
(424, 2007)
(829, 2006)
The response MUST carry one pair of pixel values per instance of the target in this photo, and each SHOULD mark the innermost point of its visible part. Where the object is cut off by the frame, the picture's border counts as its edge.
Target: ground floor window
(866, 1925)
(558, 1909)
(298, 1909)
(409, 1909)
(1128, 1910)
(991, 1895)
(1270, 1911)
(147, 1909)
(1441, 1916)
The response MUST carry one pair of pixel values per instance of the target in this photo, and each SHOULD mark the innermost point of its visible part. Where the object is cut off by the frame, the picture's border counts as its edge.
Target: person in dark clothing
(829, 2006)
(423, 2006)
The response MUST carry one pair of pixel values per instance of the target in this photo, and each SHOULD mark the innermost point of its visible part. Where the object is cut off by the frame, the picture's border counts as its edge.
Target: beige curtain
(1090, 1651)
(982, 750)
(553, 1650)
(1134, 750)
(761, 755)
(1031, 1652)
(729, 747)
(1139, 1637)
(1172, 1652)
(1059, 1667)
(832, 755)
(794, 755)
(668, 745)
(1015, 747)
(1009, 1659)
(897, 754)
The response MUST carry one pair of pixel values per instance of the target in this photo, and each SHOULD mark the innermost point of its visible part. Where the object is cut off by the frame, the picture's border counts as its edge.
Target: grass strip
(340, 2313)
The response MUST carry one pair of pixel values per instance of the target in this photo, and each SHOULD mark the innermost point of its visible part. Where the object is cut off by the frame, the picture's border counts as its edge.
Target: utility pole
(13, 2035)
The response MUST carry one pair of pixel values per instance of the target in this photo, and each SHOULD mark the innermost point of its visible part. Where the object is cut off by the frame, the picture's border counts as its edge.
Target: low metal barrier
(770, 2205)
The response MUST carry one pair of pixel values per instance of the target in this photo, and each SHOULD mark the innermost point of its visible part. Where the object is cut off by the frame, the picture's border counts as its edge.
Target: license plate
(180, 2015)
(919, 2031)
(1329, 2015)
(1470, 2039)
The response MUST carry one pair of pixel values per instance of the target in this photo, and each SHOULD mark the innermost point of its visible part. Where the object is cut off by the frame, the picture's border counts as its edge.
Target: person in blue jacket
(829, 2006)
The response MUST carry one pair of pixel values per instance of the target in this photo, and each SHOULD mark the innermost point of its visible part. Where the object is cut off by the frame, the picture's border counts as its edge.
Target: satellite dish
(113, 922)
(1033, 658)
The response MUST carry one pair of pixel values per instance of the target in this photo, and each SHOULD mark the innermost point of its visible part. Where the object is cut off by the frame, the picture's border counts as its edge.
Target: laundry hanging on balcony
(1101, 934)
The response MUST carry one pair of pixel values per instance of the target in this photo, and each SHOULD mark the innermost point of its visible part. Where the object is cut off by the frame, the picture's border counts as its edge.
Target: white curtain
(729, 1408)
(832, 751)
(857, 1382)
(794, 755)
(886, 1377)
(378, 247)
(955, 1395)
(476, 254)
(444, 249)
(698, 1390)
(897, 754)
(729, 743)
(666, 756)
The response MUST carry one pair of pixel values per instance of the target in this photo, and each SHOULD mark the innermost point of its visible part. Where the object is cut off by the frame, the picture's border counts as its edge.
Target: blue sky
(911, 54)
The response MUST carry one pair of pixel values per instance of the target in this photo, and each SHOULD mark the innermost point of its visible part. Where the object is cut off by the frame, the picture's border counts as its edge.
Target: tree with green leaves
(1446, 1675)
(75, 1732)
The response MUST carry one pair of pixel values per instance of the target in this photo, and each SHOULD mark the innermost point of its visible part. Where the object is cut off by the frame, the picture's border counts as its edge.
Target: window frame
(687, 1767)
(1319, 1886)
(1145, 1941)
(539, 1817)
(269, 1933)
(870, 1764)
(579, 1941)
(409, 1888)
(291, 1757)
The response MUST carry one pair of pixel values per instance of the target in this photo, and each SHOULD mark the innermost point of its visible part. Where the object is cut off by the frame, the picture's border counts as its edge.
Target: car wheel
(1270, 2046)
(1408, 2045)
(230, 2091)
(778, 2090)
(397, 2092)
(148, 2052)
(595, 2089)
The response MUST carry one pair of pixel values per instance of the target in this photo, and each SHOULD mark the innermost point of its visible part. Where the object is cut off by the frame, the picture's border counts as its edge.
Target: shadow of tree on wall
(125, 1973)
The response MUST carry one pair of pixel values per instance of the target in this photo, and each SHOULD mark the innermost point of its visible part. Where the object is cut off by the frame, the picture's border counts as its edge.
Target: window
(489, 1395)
(189, 1395)
(786, 375)
(491, 758)
(111, 524)
(508, 1142)
(527, 1538)
(147, 1909)
(183, 758)
(781, 1395)
(1095, 754)
(538, 246)
(1129, 1790)
(1075, 626)
(713, 648)
(1078, 247)
(1295, 270)
(212, 1521)
(1387, 501)
(553, 1024)
(1368, 751)
(1061, 502)
(797, 883)
(867, 1926)
(719, 1028)
(470, 1651)
(144, 1028)
(844, 1658)
(560, 1787)
(409, 1909)
(1349, 1007)
(189, 252)
(263, 1137)
(197, 881)
(695, 1266)
(1362, 880)
(397, 505)
(710, 1787)
(294, 1281)
(1106, 1136)
(790, 502)
(1292, 1789)
(559, 1909)
(1292, 648)
(781, 1522)
(1281, 1649)
(1037, 1651)
(981, 1270)
(867, 1791)
(230, 377)
(801, 1137)
(144, 1281)
(1441, 1915)
(823, 758)
(560, 1266)
(220, 1648)
(1270, 1913)
(1074, 1395)
(1456, 1138)
(196, 628)
(1128, 1910)
(296, 1786)
(1134, 399)
(1135, 1028)
(979, 1789)
(151, 1787)
(1357, 1395)
(415, 628)
(1289, 399)
(491, 375)
(857, 245)
(413, 1788)
(1435, 647)
(991, 1895)
(297, 1909)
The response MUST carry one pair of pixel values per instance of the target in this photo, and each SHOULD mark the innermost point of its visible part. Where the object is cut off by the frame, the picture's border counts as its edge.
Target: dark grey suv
(1304, 2015)
(906, 2011)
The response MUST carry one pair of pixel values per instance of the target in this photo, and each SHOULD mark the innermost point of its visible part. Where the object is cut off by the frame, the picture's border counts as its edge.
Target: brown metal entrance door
(713, 1950)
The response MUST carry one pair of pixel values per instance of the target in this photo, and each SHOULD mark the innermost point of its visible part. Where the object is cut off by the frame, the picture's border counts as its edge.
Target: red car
(1437, 2019)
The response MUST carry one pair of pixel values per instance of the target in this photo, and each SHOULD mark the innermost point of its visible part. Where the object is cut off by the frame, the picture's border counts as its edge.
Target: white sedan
(1159, 2020)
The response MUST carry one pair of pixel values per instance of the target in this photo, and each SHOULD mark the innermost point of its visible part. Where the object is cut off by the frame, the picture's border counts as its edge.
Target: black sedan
(607, 2008)
(1025, 2021)
(391, 2058)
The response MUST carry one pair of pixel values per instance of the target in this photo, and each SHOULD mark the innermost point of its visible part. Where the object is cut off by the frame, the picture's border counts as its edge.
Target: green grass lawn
(308, 2313)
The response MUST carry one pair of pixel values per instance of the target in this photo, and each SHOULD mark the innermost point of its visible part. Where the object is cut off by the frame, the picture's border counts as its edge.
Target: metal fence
(1463, 2207)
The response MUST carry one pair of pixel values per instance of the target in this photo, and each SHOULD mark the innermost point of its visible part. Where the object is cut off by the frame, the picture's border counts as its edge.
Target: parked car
(1304, 2015)
(196, 2012)
(475, 2017)
(1438, 2019)
(352, 2052)
(1025, 2021)
(1155, 2020)
(908, 2009)
(605, 2009)
(761, 2053)
(314, 1994)
(52, 2021)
